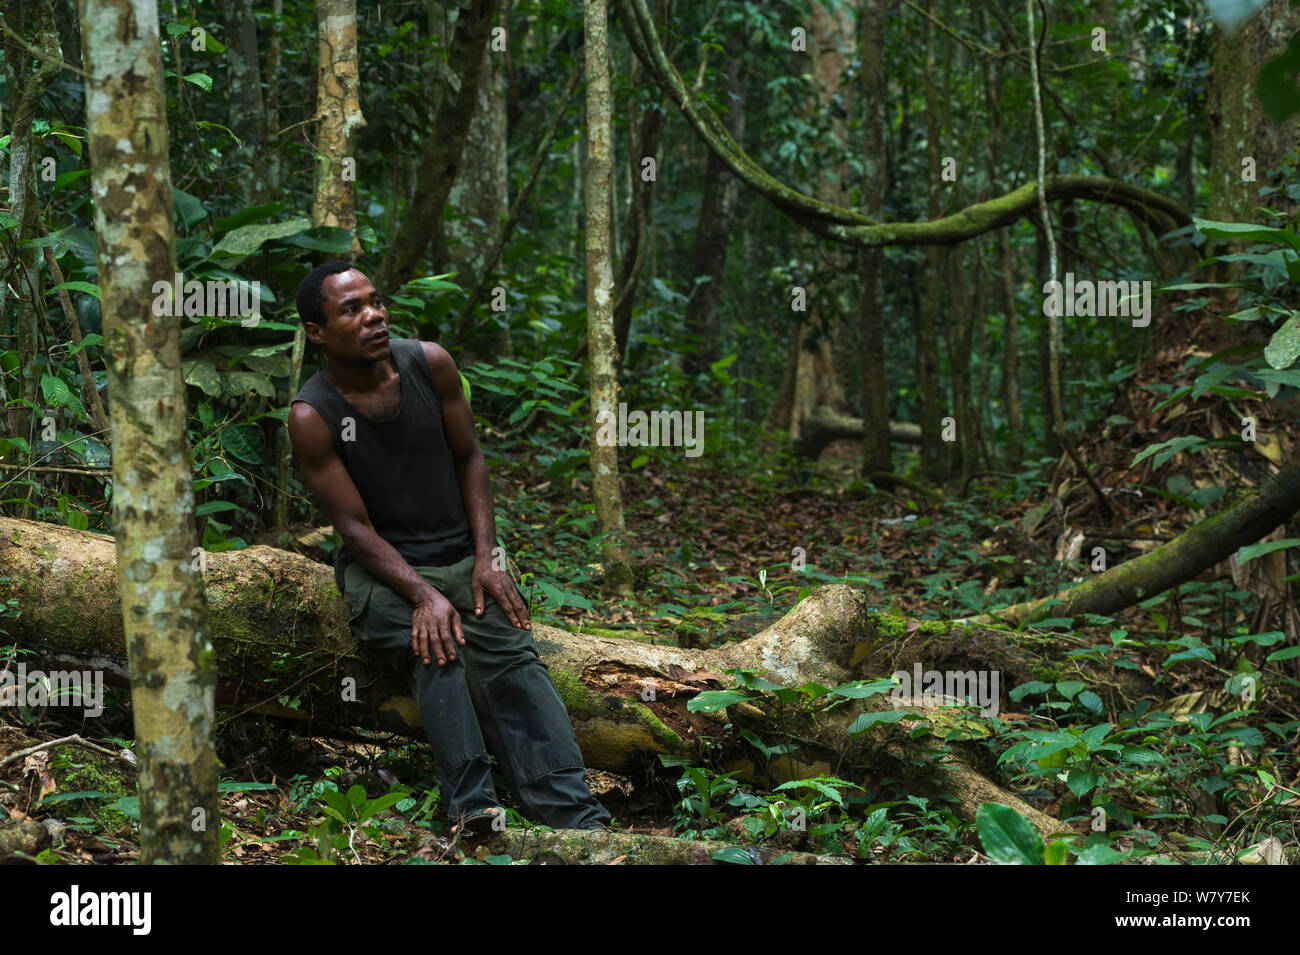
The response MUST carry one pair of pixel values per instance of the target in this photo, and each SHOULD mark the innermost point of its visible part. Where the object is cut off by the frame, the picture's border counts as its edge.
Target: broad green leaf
(1070, 688)
(711, 700)
(89, 288)
(247, 239)
(202, 375)
(861, 690)
(1246, 231)
(1082, 782)
(1284, 346)
(1141, 756)
(1056, 853)
(733, 854)
(1259, 550)
(865, 721)
(1102, 855)
(1090, 701)
(1007, 837)
(189, 208)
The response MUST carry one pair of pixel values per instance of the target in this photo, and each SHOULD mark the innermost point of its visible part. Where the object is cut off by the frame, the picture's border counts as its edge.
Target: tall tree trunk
(442, 150)
(1239, 128)
(272, 112)
(643, 143)
(338, 105)
(713, 232)
(934, 452)
(1053, 314)
(159, 566)
(1004, 287)
(28, 77)
(979, 301)
(960, 326)
(873, 368)
(600, 306)
(1051, 443)
(1015, 447)
(245, 107)
(480, 195)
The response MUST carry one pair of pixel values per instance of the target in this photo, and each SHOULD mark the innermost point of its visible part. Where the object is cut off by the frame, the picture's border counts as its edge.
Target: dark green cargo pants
(496, 696)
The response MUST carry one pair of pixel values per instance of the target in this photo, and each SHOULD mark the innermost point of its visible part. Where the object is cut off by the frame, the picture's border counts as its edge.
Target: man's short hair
(310, 294)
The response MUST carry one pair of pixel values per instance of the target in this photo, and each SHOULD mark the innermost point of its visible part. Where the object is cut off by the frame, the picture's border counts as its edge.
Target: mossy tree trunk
(338, 106)
(1202, 546)
(601, 346)
(159, 588)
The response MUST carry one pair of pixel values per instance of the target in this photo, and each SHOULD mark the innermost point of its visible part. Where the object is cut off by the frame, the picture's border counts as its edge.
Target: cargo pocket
(358, 587)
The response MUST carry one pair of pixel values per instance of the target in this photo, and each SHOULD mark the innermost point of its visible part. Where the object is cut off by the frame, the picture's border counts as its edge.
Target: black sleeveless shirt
(402, 467)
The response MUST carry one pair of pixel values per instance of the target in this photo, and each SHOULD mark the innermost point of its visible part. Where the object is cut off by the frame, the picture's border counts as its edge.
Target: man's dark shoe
(479, 824)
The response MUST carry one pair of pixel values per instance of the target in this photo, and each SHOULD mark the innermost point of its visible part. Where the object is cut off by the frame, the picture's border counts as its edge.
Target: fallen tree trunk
(824, 424)
(279, 629)
(579, 847)
(1200, 547)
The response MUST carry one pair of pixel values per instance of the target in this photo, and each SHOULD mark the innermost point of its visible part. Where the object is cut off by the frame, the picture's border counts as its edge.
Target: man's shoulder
(437, 360)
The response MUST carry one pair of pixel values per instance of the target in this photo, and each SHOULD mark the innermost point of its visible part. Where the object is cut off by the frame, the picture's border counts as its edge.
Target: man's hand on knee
(435, 629)
(497, 584)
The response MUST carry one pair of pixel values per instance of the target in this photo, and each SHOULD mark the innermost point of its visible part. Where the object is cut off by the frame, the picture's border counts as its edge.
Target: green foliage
(346, 816)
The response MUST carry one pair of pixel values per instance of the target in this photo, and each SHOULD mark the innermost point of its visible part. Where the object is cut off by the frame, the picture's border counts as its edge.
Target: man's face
(356, 322)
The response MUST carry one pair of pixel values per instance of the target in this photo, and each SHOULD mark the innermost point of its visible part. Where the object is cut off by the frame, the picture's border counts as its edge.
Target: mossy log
(279, 629)
(1199, 548)
(580, 847)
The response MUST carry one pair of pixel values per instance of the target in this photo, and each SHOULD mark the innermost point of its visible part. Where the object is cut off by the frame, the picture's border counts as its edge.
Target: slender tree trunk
(1053, 318)
(712, 233)
(159, 566)
(1015, 446)
(441, 152)
(28, 78)
(979, 316)
(1051, 442)
(960, 326)
(338, 105)
(272, 110)
(600, 306)
(245, 107)
(643, 143)
(480, 195)
(934, 452)
(873, 368)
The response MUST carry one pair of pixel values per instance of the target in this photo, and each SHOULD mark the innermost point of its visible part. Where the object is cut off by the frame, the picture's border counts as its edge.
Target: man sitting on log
(384, 437)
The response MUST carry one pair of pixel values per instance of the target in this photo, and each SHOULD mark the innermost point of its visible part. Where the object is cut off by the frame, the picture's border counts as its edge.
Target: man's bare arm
(435, 622)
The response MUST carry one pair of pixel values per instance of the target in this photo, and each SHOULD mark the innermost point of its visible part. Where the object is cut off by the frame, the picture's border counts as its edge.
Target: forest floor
(717, 553)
